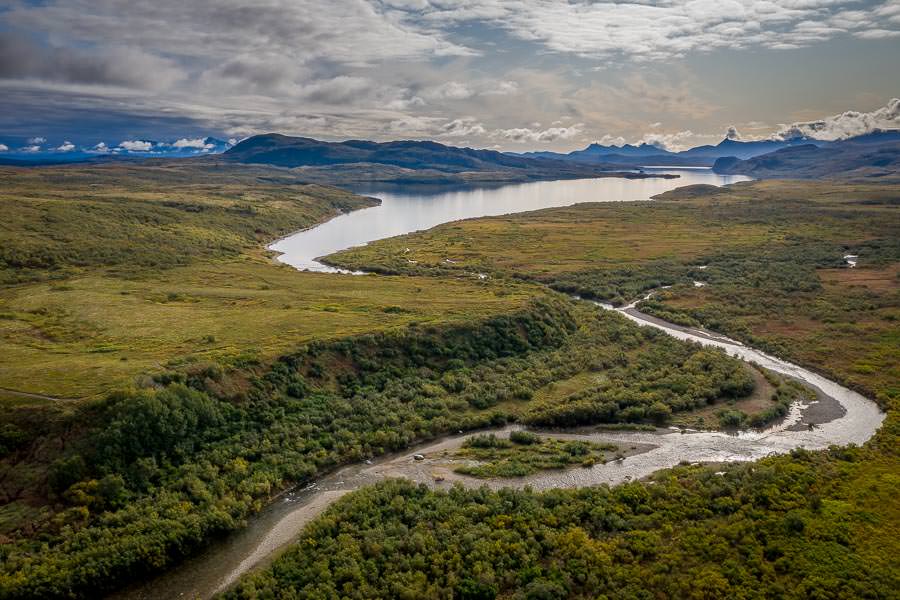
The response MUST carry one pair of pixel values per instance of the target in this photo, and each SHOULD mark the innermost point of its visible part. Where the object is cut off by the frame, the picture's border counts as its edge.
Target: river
(837, 416)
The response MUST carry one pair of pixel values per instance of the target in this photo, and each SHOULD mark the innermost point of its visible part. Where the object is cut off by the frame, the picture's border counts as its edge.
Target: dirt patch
(876, 280)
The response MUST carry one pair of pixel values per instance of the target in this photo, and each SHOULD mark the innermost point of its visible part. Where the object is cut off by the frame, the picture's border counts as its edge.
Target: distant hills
(649, 155)
(407, 161)
(873, 155)
(869, 158)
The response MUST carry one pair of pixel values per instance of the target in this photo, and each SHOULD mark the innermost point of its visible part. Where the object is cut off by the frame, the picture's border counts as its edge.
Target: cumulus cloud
(455, 90)
(732, 133)
(32, 148)
(452, 90)
(463, 128)
(37, 141)
(101, 148)
(470, 127)
(136, 145)
(66, 146)
(845, 125)
(673, 142)
(551, 134)
(612, 140)
(352, 32)
(197, 143)
(4, 148)
(387, 68)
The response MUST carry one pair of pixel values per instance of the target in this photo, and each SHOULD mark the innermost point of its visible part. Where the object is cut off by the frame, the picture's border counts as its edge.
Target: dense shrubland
(524, 453)
(156, 472)
(789, 527)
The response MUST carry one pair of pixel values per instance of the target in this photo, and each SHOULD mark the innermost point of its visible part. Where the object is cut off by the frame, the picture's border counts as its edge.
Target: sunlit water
(838, 416)
(405, 209)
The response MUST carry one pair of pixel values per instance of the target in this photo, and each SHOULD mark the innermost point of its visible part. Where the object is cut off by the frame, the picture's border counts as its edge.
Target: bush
(524, 438)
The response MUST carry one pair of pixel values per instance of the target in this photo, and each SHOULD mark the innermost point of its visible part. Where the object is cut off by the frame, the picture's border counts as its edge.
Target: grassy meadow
(115, 272)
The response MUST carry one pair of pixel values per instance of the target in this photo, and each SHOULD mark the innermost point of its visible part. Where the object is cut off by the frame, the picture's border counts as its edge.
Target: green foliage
(163, 470)
(525, 438)
(528, 453)
(756, 531)
(664, 377)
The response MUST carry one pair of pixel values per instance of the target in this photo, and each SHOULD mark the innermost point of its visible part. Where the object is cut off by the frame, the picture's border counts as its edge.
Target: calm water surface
(405, 209)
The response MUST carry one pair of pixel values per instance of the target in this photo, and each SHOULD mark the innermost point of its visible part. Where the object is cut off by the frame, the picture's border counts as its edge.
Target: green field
(116, 272)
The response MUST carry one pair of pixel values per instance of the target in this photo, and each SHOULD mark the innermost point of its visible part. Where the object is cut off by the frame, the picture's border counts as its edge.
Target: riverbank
(645, 452)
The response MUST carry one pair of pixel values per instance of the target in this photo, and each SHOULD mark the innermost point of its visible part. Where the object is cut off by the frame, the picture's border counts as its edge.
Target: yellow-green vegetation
(250, 377)
(771, 398)
(770, 252)
(524, 453)
(806, 525)
(80, 338)
(114, 272)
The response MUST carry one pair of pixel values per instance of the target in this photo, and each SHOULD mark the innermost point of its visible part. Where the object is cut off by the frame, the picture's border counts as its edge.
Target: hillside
(409, 161)
(847, 160)
(648, 154)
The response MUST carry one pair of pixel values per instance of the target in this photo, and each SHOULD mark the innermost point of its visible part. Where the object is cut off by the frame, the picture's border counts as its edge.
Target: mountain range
(648, 154)
(406, 161)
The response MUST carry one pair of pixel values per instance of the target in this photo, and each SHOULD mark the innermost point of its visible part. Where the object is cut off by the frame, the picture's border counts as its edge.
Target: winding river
(837, 416)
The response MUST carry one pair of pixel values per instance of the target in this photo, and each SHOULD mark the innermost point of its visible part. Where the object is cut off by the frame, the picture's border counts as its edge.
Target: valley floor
(165, 380)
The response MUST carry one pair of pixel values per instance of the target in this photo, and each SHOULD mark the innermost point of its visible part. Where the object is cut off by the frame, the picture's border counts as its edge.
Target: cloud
(502, 88)
(37, 140)
(475, 71)
(4, 148)
(452, 90)
(210, 32)
(673, 142)
(612, 140)
(732, 133)
(844, 125)
(455, 90)
(136, 146)
(664, 30)
(198, 143)
(101, 148)
(21, 58)
(463, 128)
(66, 146)
(32, 148)
(552, 134)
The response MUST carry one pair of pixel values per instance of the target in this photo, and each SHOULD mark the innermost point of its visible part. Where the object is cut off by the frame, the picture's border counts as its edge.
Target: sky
(516, 75)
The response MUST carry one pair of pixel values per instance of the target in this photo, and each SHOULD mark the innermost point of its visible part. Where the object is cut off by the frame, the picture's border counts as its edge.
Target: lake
(405, 209)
